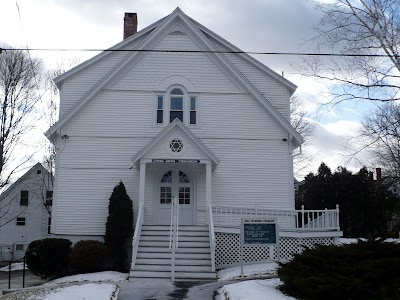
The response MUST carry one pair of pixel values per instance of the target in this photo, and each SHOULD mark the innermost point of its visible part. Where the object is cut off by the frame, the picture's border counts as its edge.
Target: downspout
(301, 151)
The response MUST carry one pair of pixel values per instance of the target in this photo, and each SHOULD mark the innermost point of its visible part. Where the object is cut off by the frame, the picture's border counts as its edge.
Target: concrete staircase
(192, 259)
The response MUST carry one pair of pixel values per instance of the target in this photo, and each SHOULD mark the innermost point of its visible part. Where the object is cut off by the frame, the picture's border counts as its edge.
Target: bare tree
(381, 133)
(301, 122)
(51, 107)
(19, 93)
(367, 32)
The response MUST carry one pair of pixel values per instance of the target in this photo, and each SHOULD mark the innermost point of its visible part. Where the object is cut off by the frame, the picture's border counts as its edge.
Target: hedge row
(53, 257)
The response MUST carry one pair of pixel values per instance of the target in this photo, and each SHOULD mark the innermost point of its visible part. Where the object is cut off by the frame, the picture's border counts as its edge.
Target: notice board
(258, 231)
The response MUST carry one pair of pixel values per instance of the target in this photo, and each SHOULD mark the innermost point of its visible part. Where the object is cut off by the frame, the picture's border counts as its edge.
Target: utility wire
(202, 51)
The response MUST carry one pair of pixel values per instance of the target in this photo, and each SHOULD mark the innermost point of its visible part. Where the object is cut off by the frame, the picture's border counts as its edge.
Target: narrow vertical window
(49, 225)
(160, 110)
(24, 200)
(192, 111)
(176, 105)
(49, 198)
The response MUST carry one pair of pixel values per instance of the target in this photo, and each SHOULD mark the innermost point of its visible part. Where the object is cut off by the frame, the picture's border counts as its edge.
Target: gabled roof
(23, 177)
(158, 30)
(188, 133)
(121, 45)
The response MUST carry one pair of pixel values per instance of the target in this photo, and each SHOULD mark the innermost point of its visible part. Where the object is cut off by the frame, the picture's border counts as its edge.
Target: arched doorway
(175, 183)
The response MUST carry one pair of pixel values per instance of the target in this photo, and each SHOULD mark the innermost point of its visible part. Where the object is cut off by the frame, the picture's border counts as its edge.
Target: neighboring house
(180, 124)
(25, 212)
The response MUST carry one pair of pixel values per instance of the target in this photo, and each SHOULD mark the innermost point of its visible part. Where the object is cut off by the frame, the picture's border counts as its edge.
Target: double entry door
(175, 183)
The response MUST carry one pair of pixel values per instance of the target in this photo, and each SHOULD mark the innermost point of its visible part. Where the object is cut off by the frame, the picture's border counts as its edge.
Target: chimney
(130, 24)
(378, 174)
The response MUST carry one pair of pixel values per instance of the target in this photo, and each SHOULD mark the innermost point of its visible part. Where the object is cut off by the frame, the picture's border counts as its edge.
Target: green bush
(366, 270)
(48, 257)
(119, 228)
(88, 256)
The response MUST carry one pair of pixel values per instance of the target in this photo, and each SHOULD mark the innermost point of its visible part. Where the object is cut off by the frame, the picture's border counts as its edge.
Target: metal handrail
(136, 236)
(172, 224)
(177, 223)
(212, 237)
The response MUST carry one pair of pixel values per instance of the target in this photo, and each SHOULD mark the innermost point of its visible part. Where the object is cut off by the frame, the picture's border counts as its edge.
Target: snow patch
(88, 291)
(107, 276)
(249, 271)
(14, 267)
(254, 290)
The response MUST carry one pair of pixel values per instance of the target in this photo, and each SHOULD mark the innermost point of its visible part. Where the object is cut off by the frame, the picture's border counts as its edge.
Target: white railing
(288, 220)
(173, 233)
(136, 236)
(320, 219)
(212, 237)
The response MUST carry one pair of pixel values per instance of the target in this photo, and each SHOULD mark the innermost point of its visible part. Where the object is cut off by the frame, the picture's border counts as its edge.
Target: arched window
(175, 183)
(176, 104)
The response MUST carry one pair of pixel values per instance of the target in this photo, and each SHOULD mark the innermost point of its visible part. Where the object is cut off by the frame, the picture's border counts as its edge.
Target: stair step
(144, 275)
(181, 238)
(167, 228)
(192, 260)
(149, 274)
(162, 268)
(194, 235)
(200, 275)
(178, 261)
(181, 244)
(167, 233)
(167, 255)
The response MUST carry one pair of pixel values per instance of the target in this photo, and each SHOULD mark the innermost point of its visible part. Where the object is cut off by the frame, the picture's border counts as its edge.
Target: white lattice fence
(228, 249)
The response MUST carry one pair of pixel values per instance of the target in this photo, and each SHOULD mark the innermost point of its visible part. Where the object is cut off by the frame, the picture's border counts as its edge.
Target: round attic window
(176, 145)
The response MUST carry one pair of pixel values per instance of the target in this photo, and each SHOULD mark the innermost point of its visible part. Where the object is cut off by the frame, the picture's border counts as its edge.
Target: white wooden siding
(276, 93)
(155, 67)
(83, 197)
(35, 213)
(102, 141)
(251, 174)
(119, 121)
(75, 87)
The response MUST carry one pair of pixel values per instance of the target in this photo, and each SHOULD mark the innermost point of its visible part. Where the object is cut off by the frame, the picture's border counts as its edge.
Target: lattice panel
(228, 247)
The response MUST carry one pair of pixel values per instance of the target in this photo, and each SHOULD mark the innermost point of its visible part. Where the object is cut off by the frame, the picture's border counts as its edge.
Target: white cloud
(331, 144)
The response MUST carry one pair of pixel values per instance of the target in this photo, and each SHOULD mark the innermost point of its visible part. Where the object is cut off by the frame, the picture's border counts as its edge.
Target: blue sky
(257, 25)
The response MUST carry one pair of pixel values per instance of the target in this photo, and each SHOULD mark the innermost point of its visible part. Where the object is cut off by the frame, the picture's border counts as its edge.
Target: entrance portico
(175, 164)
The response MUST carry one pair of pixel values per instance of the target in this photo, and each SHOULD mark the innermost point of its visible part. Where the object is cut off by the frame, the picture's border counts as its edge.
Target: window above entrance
(176, 145)
(176, 104)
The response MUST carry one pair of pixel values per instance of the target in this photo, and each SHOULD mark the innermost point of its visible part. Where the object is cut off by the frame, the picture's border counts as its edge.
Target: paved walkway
(169, 291)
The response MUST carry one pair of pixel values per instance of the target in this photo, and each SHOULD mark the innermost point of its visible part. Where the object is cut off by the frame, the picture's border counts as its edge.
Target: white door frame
(175, 168)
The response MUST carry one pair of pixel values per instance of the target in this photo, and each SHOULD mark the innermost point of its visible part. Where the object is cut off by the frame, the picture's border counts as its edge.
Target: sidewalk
(169, 291)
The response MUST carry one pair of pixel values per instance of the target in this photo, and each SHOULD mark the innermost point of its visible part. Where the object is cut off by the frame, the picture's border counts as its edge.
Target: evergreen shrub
(48, 257)
(88, 256)
(119, 227)
(366, 270)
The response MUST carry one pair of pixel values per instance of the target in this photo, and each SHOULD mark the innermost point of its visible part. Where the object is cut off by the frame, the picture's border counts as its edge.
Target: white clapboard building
(25, 212)
(179, 118)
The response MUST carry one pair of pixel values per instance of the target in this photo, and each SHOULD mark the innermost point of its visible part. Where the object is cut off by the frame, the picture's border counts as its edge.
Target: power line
(201, 51)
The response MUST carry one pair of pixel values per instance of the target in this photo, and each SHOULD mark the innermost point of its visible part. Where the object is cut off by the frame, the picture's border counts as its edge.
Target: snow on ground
(14, 267)
(253, 290)
(249, 271)
(88, 291)
(107, 276)
(92, 286)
